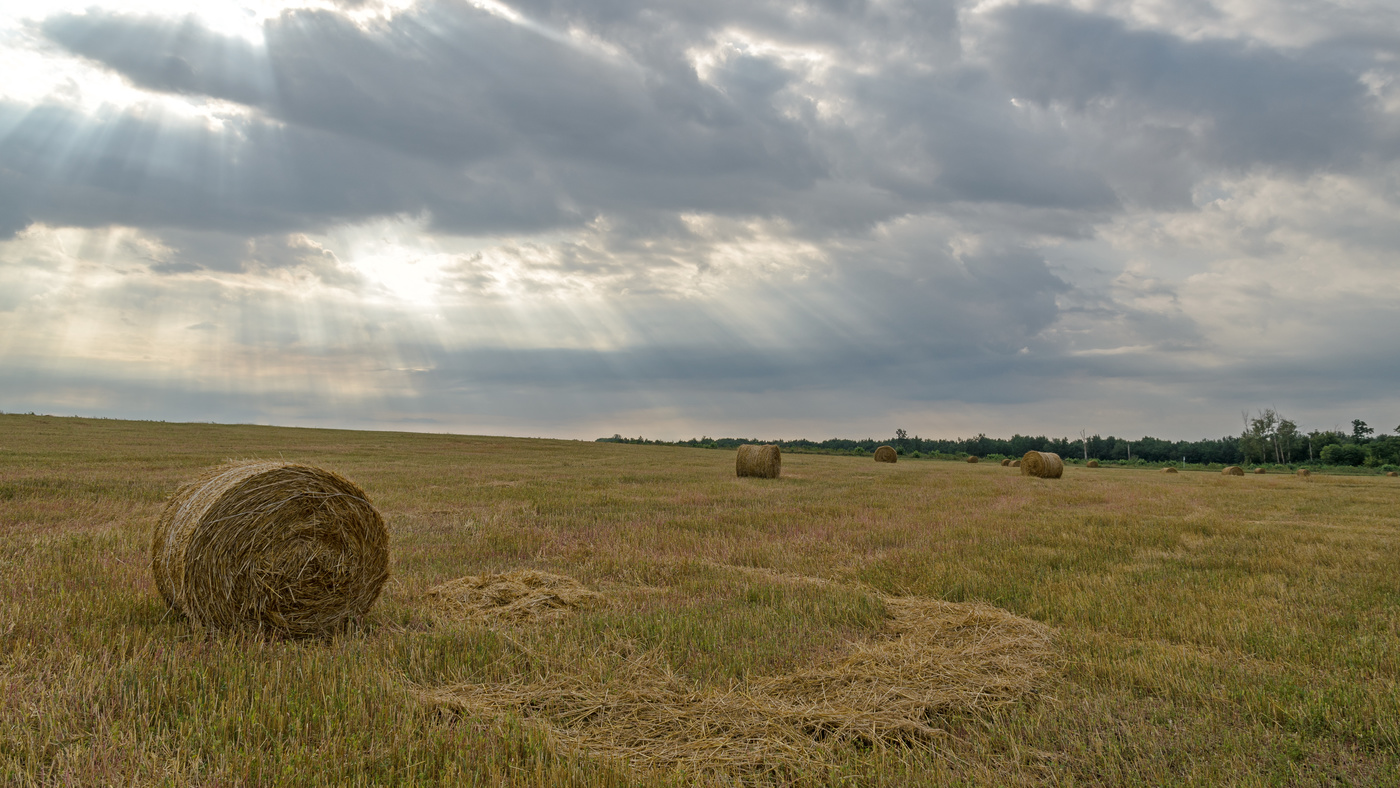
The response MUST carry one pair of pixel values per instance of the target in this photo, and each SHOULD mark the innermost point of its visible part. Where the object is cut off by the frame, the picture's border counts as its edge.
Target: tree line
(1267, 438)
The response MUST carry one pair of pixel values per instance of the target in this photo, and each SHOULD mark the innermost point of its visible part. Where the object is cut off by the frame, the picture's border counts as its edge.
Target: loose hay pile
(973, 458)
(1091, 464)
(1042, 464)
(939, 659)
(1169, 469)
(270, 546)
(765, 462)
(522, 595)
(886, 454)
(1233, 470)
(1304, 472)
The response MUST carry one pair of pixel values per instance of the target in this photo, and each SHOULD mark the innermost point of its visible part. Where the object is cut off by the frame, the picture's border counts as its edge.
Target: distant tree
(1285, 438)
(1359, 431)
(901, 435)
(1344, 454)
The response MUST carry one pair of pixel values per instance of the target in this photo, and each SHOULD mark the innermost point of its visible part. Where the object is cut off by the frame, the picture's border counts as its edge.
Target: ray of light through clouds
(767, 218)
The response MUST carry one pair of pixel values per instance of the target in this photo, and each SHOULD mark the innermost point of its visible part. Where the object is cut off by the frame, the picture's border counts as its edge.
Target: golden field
(1201, 629)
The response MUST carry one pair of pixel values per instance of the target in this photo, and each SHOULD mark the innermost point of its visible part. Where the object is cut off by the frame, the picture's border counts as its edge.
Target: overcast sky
(765, 218)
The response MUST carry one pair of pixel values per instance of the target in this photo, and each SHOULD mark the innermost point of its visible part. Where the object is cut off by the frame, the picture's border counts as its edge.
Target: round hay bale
(1260, 470)
(270, 546)
(1042, 464)
(972, 458)
(1233, 470)
(765, 462)
(1169, 469)
(1091, 464)
(1015, 463)
(1006, 462)
(886, 454)
(1304, 472)
(1392, 474)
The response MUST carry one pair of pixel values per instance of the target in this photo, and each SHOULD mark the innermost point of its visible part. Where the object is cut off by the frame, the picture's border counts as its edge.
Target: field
(1204, 630)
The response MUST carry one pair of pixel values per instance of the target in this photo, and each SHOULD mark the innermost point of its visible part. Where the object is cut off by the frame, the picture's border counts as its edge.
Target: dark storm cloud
(1189, 105)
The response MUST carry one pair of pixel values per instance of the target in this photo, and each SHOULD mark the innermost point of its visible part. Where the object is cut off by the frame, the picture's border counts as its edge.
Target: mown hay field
(1202, 629)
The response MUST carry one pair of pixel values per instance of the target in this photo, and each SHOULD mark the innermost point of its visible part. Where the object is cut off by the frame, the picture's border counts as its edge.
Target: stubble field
(1187, 629)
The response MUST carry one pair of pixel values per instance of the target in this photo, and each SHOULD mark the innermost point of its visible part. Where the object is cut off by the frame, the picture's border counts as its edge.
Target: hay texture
(1006, 463)
(270, 546)
(1304, 472)
(519, 596)
(1015, 463)
(886, 454)
(1091, 464)
(973, 458)
(1169, 469)
(765, 462)
(622, 703)
(1233, 470)
(1042, 464)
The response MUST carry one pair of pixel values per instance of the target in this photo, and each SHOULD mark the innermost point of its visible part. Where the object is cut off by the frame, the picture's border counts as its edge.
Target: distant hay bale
(270, 546)
(765, 462)
(522, 595)
(972, 458)
(1392, 474)
(1168, 469)
(1304, 472)
(886, 454)
(1233, 470)
(1015, 463)
(1091, 464)
(1042, 464)
(1006, 462)
(1259, 470)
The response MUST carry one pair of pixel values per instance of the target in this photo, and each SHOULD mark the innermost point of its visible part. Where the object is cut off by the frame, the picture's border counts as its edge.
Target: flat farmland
(1119, 627)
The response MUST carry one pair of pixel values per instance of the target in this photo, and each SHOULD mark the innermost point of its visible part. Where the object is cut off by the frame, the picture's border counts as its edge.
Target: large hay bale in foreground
(1168, 469)
(1304, 472)
(886, 454)
(270, 546)
(1006, 463)
(972, 458)
(1233, 470)
(1091, 464)
(765, 462)
(1042, 464)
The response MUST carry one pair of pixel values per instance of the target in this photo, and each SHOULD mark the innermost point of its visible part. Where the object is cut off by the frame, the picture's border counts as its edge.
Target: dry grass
(271, 546)
(522, 595)
(886, 454)
(629, 705)
(1207, 631)
(764, 462)
(1042, 465)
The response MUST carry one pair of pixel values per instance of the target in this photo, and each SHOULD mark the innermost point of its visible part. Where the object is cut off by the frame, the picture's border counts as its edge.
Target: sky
(763, 218)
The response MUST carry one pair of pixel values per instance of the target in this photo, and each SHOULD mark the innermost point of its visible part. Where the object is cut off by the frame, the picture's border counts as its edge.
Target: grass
(1211, 630)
